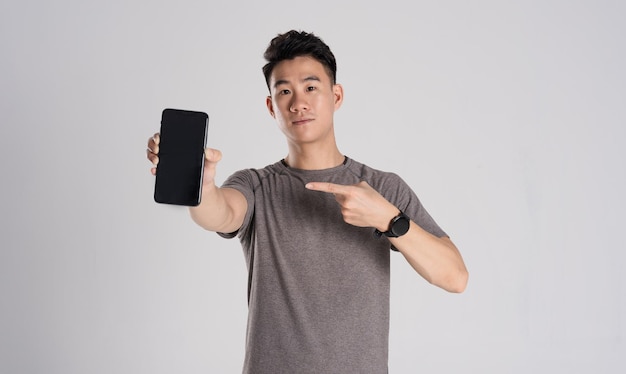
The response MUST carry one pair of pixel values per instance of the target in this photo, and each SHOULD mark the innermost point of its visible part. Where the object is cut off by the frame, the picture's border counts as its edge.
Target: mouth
(302, 121)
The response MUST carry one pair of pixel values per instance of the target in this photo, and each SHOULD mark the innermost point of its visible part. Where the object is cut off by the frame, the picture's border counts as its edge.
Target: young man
(317, 228)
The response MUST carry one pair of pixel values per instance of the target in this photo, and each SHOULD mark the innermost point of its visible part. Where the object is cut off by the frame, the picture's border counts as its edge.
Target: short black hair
(294, 44)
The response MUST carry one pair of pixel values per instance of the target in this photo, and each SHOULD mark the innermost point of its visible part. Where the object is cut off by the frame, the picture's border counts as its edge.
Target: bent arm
(436, 259)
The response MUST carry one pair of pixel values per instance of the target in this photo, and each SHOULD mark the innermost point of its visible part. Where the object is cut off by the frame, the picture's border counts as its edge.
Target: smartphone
(181, 157)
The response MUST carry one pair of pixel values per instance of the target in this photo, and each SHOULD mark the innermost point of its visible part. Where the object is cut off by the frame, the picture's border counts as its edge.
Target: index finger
(326, 187)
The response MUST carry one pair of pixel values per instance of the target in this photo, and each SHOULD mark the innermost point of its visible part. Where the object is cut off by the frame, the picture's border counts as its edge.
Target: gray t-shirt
(319, 287)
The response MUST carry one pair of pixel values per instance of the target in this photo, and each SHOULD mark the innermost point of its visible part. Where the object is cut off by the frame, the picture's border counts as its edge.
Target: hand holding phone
(180, 168)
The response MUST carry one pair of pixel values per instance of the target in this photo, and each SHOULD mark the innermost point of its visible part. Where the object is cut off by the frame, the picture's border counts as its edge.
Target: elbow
(459, 283)
(455, 282)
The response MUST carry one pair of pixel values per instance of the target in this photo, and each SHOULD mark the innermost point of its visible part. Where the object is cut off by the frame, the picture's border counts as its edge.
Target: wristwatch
(398, 226)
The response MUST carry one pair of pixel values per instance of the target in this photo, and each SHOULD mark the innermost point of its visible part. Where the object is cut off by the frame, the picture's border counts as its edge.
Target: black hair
(294, 44)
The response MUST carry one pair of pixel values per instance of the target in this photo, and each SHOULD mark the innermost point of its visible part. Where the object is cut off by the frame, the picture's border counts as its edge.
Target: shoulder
(251, 177)
(275, 168)
(375, 177)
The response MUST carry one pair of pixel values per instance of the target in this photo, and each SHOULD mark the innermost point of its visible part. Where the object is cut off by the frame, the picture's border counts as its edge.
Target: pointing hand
(361, 205)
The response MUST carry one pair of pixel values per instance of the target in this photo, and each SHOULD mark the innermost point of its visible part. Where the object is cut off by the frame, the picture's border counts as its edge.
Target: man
(317, 228)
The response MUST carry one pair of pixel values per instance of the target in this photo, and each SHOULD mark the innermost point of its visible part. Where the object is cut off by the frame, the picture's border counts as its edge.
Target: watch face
(401, 226)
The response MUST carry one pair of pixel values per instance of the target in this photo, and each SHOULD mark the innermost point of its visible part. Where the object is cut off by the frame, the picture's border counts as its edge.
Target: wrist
(208, 186)
(387, 214)
(396, 227)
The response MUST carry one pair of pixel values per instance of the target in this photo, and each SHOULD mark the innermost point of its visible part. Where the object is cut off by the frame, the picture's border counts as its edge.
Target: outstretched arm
(221, 209)
(436, 259)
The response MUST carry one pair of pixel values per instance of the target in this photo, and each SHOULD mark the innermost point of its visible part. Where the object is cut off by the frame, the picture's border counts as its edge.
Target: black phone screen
(181, 157)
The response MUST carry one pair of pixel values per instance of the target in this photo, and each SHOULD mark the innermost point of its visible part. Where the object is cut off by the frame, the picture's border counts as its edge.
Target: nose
(298, 103)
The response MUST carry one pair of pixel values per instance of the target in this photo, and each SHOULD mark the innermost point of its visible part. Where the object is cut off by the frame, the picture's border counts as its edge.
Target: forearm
(436, 259)
(220, 209)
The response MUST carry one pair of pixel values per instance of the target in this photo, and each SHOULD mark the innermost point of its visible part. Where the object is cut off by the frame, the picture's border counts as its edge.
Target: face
(303, 100)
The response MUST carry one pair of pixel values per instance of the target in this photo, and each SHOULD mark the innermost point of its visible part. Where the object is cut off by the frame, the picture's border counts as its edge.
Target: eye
(284, 92)
(311, 88)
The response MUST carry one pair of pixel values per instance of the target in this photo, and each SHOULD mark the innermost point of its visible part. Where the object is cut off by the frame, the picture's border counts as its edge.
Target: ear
(270, 106)
(338, 95)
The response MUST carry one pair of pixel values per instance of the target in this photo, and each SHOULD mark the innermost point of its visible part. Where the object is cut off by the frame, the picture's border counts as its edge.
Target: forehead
(298, 69)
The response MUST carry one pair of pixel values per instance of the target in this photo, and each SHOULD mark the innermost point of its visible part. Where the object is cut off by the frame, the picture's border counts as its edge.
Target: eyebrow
(313, 78)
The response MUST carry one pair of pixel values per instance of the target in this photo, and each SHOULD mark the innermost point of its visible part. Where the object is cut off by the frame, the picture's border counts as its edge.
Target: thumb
(212, 155)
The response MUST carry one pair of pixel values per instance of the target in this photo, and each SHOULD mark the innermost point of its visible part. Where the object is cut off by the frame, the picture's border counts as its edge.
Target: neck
(314, 158)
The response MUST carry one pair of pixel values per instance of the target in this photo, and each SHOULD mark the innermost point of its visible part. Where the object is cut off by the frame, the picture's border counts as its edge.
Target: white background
(508, 120)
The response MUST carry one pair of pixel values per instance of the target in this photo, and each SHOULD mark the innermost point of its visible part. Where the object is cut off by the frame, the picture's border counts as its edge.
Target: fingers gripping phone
(179, 172)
